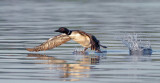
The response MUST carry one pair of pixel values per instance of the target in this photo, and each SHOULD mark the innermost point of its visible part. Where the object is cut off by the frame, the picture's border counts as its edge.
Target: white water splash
(135, 44)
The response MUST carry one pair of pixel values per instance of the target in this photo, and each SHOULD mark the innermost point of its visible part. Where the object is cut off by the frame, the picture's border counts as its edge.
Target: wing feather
(51, 43)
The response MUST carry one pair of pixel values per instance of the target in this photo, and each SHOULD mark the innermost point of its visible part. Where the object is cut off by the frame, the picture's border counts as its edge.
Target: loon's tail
(103, 46)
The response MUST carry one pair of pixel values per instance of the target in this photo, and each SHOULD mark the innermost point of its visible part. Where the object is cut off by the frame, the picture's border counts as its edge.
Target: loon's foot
(99, 51)
(80, 52)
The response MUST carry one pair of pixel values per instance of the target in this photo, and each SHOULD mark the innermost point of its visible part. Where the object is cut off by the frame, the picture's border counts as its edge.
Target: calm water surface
(27, 23)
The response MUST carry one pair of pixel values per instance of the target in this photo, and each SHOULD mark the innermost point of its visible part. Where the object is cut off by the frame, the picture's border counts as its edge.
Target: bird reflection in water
(68, 71)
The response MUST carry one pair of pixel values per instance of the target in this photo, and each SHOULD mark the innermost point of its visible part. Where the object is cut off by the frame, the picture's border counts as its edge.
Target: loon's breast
(80, 38)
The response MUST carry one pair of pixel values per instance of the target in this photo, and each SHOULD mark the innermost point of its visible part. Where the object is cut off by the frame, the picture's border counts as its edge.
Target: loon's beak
(57, 31)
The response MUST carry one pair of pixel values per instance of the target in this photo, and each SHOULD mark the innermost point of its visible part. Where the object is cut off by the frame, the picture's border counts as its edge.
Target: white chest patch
(81, 39)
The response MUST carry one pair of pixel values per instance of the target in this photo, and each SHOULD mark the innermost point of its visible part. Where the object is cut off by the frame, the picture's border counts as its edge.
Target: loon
(84, 39)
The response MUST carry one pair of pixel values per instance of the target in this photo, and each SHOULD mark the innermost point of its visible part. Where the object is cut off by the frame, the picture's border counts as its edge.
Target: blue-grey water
(28, 23)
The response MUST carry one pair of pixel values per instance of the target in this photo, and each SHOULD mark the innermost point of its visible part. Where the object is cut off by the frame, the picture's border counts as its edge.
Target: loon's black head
(63, 30)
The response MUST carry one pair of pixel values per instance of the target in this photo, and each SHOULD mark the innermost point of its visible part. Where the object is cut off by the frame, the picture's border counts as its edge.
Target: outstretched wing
(51, 43)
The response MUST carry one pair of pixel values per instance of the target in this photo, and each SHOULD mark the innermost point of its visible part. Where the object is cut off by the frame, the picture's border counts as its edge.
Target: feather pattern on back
(51, 43)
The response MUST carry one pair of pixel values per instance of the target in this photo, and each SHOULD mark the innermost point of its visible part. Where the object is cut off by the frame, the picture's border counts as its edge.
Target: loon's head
(63, 30)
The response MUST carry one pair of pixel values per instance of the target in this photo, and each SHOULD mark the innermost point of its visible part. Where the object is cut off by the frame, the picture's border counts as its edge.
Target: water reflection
(73, 71)
(144, 52)
(139, 58)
